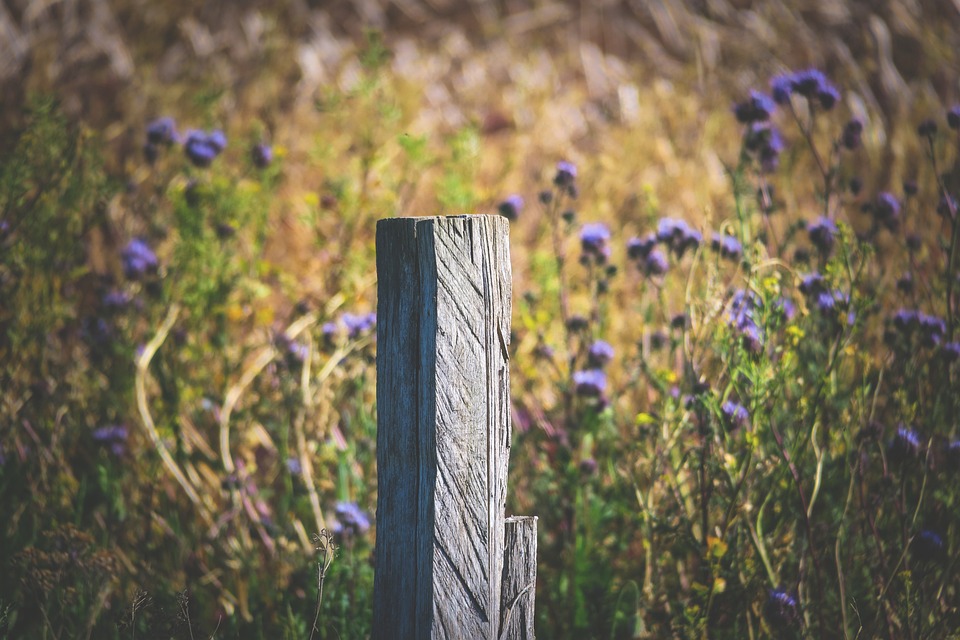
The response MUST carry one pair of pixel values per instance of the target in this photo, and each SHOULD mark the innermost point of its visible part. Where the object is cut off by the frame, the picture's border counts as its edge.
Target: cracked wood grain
(443, 434)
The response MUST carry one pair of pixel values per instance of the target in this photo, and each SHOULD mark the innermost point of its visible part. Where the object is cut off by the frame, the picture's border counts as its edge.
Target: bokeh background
(412, 107)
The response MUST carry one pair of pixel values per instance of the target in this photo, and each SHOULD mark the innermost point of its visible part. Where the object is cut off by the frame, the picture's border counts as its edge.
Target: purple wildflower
(590, 382)
(932, 329)
(217, 139)
(640, 248)
(822, 233)
(812, 284)
(680, 321)
(262, 155)
(358, 324)
(510, 208)
(294, 467)
(600, 354)
(728, 246)
(781, 87)
(781, 610)
(577, 322)
(751, 336)
(658, 339)
(116, 299)
(735, 415)
(655, 264)
(886, 210)
(785, 307)
(112, 436)
(809, 83)
(297, 352)
(904, 446)
(757, 108)
(162, 131)
(852, 134)
(594, 240)
(742, 319)
(905, 283)
(201, 147)
(927, 546)
(765, 143)
(138, 259)
(351, 520)
(678, 235)
(566, 174)
(827, 301)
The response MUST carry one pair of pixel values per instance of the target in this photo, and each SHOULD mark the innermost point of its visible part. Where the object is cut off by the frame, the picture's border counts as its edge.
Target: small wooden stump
(518, 587)
(443, 434)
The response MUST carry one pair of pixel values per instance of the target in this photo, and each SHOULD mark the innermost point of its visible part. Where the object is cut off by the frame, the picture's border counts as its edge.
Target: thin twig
(143, 364)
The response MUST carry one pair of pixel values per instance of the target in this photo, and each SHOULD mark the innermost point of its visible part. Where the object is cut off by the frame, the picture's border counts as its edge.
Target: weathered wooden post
(443, 433)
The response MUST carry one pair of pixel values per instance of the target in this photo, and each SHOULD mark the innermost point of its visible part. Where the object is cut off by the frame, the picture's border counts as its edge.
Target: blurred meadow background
(735, 350)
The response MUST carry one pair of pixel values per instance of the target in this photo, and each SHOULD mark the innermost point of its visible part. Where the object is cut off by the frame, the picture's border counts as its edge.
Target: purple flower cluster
(822, 233)
(757, 108)
(357, 325)
(595, 242)
(827, 301)
(904, 446)
(511, 207)
(764, 142)
(735, 415)
(781, 610)
(928, 547)
(655, 264)
(566, 175)
(742, 317)
(261, 155)
(351, 520)
(852, 135)
(203, 147)
(138, 259)
(590, 383)
(112, 436)
(115, 299)
(727, 246)
(678, 236)
(886, 210)
(600, 354)
(294, 352)
(160, 132)
(200, 147)
(811, 84)
(650, 260)
(928, 329)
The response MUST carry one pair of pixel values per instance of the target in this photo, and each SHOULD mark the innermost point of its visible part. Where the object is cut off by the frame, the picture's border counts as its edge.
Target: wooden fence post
(443, 433)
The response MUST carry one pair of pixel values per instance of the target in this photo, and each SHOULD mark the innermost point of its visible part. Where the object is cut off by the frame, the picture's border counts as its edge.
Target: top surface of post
(443, 331)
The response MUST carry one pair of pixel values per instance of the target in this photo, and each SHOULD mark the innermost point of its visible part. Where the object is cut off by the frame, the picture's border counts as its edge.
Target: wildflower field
(736, 317)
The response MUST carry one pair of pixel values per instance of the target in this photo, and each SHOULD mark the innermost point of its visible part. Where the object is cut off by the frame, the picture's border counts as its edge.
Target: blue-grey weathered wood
(518, 586)
(443, 432)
